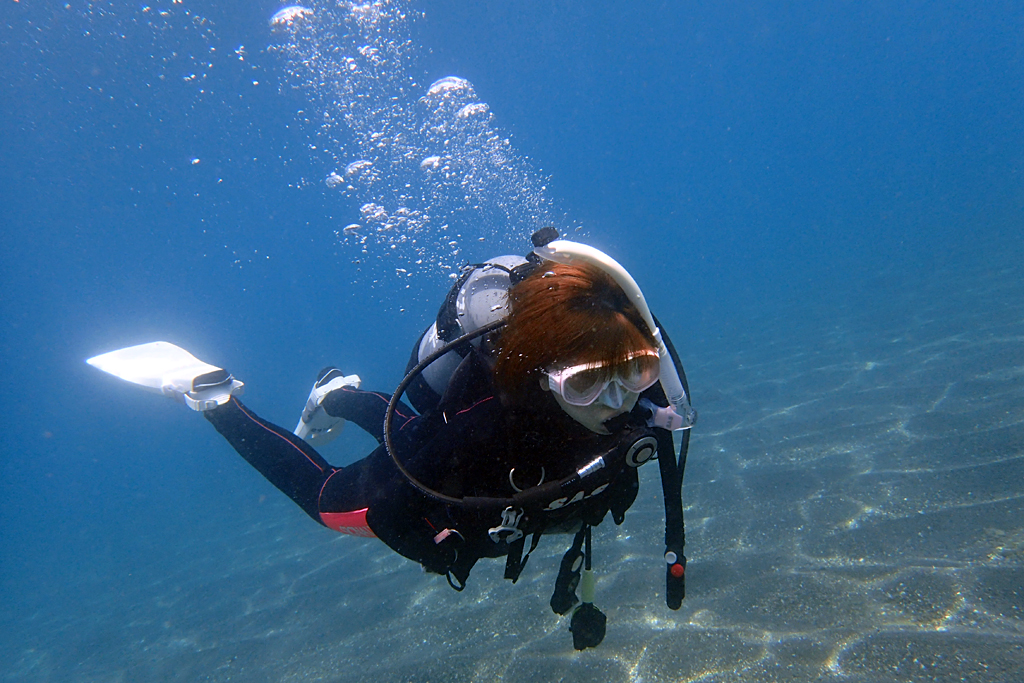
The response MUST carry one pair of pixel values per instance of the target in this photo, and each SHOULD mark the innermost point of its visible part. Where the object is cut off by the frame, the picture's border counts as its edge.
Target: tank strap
(448, 327)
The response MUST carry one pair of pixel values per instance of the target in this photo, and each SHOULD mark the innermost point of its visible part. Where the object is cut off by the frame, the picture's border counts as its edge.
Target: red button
(677, 570)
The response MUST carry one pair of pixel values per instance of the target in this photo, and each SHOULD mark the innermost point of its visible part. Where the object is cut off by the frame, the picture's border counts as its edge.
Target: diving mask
(584, 384)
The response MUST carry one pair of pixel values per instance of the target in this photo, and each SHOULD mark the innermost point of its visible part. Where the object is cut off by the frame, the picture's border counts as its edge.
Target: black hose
(397, 396)
(672, 469)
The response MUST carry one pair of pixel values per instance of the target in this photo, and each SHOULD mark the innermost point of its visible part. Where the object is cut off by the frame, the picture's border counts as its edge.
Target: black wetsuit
(470, 444)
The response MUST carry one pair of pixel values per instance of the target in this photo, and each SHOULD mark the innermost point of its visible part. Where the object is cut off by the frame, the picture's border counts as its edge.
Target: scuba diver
(542, 386)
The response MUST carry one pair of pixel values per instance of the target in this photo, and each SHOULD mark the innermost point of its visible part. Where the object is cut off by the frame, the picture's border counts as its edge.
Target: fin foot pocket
(315, 426)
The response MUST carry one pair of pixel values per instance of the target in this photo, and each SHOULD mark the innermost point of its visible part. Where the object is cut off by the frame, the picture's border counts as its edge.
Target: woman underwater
(536, 396)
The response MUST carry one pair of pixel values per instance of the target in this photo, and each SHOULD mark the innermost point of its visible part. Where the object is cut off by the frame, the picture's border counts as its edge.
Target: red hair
(565, 315)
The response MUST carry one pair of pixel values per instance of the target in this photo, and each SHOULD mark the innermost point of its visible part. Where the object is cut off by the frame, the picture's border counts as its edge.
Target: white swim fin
(315, 425)
(170, 370)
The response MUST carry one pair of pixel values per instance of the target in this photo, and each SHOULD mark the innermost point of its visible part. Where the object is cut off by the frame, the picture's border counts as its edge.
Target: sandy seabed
(854, 513)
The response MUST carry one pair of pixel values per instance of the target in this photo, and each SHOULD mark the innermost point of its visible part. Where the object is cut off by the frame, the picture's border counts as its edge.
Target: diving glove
(315, 425)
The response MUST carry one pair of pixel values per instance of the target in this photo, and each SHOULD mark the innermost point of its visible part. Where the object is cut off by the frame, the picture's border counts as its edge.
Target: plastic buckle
(211, 396)
(508, 530)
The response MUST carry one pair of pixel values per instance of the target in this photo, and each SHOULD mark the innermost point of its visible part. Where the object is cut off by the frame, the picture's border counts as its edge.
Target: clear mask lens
(582, 385)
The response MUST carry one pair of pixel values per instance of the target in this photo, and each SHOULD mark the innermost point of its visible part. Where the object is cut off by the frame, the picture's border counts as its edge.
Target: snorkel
(678, 416)
(681, 415)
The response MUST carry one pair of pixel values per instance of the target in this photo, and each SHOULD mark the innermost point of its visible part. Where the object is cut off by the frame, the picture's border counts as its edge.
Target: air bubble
(289, 16)
(357, 166)
(477, 109)
(449, 84)
(417, 161)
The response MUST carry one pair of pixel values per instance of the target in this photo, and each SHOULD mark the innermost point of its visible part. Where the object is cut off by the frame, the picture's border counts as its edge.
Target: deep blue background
(738, 157)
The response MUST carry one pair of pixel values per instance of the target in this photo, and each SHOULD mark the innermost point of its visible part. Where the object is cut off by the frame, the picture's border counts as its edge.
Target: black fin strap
(675, 532)
(564, 597)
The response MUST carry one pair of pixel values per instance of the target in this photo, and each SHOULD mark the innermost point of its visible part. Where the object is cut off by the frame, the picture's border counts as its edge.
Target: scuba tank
(478, 298)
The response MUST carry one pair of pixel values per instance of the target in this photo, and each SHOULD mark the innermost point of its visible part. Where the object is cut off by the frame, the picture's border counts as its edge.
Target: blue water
(824, 204)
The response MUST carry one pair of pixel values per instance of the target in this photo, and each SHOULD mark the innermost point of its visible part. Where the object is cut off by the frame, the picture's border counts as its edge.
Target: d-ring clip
(511, 481)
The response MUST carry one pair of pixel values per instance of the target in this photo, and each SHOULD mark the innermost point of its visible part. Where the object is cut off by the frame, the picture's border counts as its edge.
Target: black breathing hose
(393, 404)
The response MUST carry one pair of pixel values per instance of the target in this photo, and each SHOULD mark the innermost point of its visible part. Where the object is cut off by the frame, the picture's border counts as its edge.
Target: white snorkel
(564, 251)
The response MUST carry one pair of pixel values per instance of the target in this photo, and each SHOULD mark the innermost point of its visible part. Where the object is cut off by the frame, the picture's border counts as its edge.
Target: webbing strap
(515, 562)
